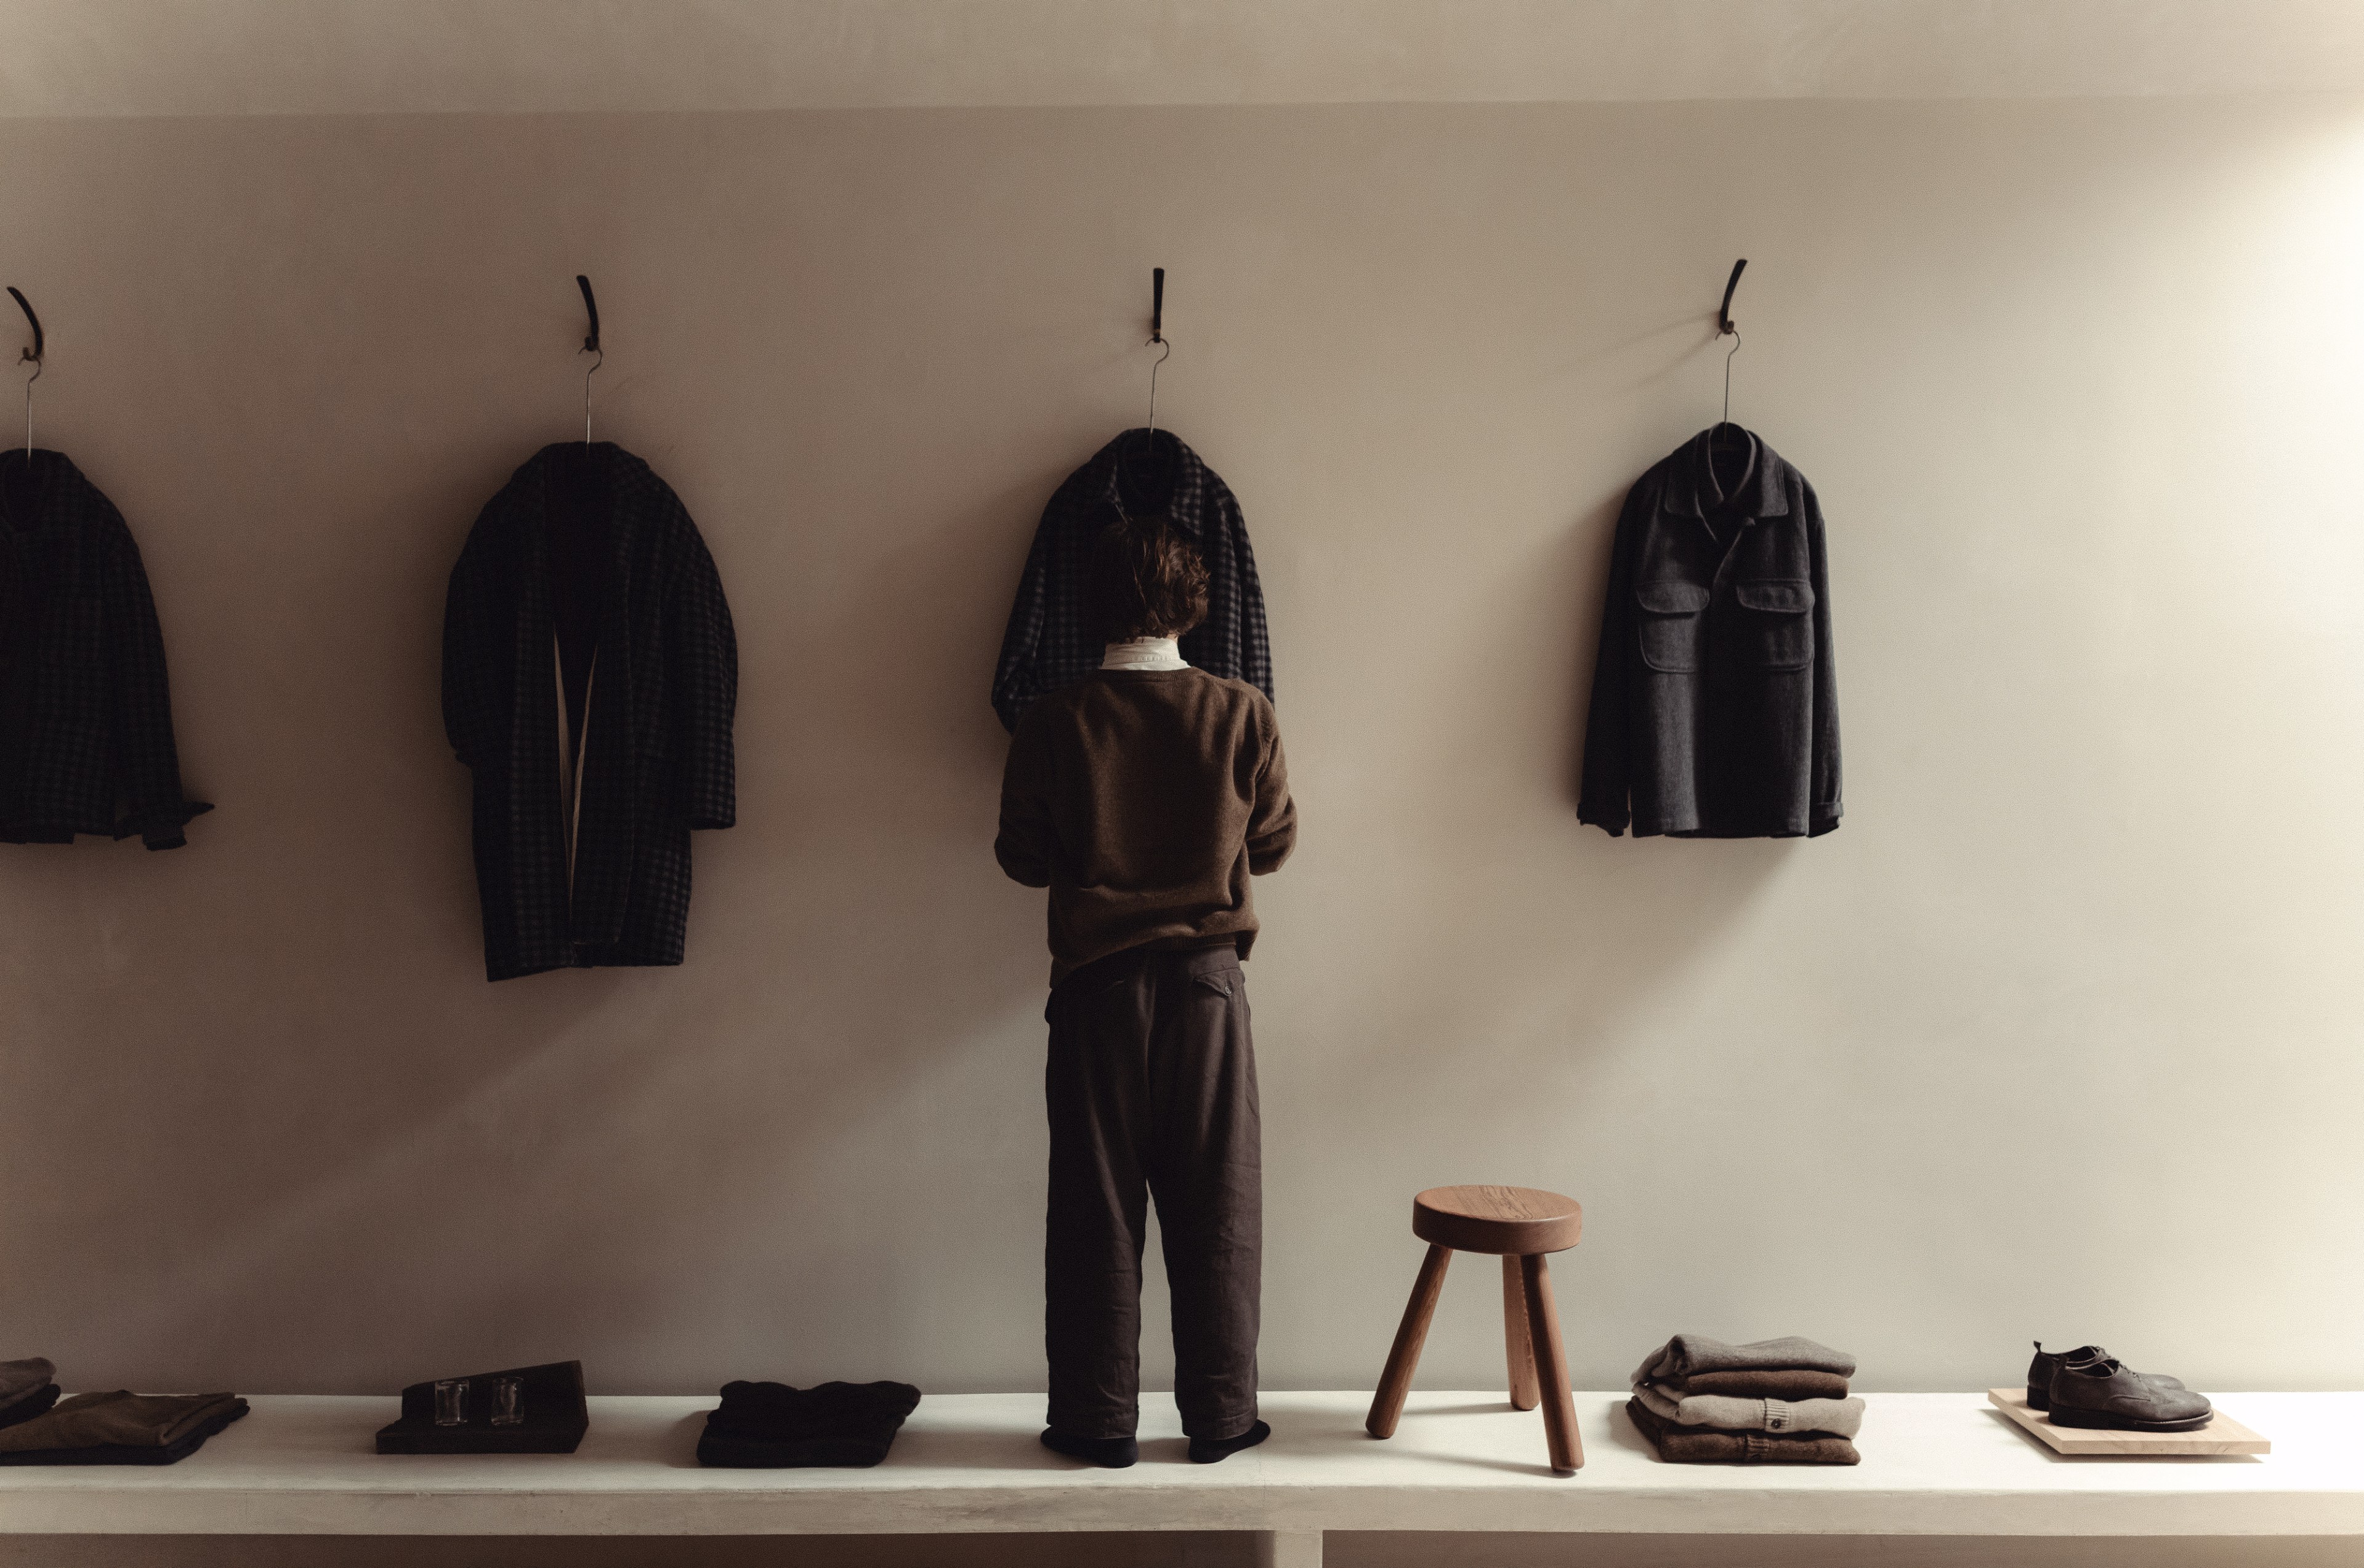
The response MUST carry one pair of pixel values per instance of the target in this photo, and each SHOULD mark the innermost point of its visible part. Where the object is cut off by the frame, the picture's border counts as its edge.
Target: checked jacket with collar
(1716, 698)
(1047, 645)
(85, 711)
(656, 740)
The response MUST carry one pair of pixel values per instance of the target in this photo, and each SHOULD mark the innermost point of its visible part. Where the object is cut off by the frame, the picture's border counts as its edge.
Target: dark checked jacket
(85, 713)
(656, 733)
(1715, 710)
(1047, 645)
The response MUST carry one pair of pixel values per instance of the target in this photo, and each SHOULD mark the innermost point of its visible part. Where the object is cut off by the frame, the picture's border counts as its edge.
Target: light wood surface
(1513, 1221)
(1403, 1357)
(1518, 1346)
(2220, 1435)
(1933, 1465)
(1565, 1443)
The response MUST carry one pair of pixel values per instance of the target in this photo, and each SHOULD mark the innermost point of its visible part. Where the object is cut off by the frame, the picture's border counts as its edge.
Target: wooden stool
(1520, 1225)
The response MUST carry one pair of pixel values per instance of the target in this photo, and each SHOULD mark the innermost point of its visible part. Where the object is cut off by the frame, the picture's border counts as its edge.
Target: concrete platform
(1935, 1464)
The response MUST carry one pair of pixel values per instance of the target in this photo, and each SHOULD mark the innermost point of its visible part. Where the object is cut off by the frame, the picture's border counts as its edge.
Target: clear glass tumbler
(451, 1402)
(509, 1401)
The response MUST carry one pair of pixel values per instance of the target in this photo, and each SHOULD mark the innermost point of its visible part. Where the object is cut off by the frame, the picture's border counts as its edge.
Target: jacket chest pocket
(1667, 615)
(1775, 629)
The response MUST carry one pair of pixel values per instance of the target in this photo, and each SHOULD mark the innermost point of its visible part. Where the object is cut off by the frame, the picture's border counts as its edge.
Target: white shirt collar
(1145, 653)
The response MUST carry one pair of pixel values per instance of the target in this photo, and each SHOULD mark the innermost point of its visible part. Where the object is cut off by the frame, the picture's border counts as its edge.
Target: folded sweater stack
(1702, 1401)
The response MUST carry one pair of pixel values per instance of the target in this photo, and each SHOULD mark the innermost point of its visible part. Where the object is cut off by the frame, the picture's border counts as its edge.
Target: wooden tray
(2220, 1435)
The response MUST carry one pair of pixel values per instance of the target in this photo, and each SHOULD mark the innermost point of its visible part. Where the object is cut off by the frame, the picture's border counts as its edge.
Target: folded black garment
(769, 1426)
(219, 1411)
(26, 1406)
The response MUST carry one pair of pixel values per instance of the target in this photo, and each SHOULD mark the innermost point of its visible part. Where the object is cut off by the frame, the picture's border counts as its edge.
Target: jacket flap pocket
(1791, 596)
(1671, 598)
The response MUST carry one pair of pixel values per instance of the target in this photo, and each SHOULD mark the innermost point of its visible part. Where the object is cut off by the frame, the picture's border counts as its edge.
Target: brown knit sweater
(1144, 799)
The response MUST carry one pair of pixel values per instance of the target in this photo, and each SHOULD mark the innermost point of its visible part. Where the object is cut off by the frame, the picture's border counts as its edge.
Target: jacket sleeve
(467, 613)
(1015, 681)
(1827, 805)
(1606, 797)
(1254, 651)
(703, 672)
(147, 765)
(1272, 822)
(1028, 833)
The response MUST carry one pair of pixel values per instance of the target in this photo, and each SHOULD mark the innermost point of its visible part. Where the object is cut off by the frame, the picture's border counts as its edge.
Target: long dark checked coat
(85, 713)
(656, 734)
(1047, 645)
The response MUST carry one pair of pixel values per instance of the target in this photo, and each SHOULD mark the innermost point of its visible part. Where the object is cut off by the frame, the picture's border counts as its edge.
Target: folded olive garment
(1844, 1417)
(769, 1426)
(20, 1378)
(120, 1428)
(1687, 1355)
(1788, 1384)
(1713, 1445)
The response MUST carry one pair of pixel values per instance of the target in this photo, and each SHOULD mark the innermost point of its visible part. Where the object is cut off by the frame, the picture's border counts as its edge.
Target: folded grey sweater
(1687, 1355)
(1844, 1417)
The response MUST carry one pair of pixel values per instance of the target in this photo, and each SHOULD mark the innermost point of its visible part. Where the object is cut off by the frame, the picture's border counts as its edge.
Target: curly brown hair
(1144, 580)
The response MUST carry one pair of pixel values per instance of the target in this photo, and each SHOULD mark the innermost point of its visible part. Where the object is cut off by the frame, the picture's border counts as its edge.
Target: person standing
(1145, 797)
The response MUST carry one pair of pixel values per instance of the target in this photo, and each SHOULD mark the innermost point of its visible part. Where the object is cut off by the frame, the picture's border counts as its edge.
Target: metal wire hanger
(32, 356)
(590, 346)
(1157, 339)
(1725, 326)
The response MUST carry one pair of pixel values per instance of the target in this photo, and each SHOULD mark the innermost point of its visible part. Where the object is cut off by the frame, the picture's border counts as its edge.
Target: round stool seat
(1512, 1221)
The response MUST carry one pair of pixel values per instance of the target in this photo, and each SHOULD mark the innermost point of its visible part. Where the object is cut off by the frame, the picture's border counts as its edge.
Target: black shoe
(2105, 1395)
(1109, 1454)
(2047, 1362)
(1208, 1451)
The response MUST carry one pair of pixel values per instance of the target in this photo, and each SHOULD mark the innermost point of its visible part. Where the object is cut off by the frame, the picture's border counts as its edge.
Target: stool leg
(1551, 1369)
(1516, 1340)
(1386, 1405)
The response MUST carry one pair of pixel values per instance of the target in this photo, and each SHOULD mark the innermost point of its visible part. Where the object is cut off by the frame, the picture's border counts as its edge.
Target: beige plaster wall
(2055, 1038)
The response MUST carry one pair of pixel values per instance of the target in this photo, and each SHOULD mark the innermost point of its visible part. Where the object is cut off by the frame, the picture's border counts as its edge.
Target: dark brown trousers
(1151, 1091)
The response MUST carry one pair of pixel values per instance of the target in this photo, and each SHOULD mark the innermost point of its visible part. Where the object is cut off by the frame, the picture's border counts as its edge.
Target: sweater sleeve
(1272, 823)
(139, 706)
(1024, 843)
(1605, 801)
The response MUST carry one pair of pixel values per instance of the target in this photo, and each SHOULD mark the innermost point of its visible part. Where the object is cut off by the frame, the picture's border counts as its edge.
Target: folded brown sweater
(21, 1378)
(121, 1420)
(1714, 1445)
(1793, 1384)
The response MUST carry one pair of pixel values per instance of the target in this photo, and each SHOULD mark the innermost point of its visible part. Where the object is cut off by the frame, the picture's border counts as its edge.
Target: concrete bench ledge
(1938, 1464)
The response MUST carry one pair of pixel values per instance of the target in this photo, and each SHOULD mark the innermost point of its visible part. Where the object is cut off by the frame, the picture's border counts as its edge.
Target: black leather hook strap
(590, 344)
(41, 339)
(1157, 305)
(1724, 312)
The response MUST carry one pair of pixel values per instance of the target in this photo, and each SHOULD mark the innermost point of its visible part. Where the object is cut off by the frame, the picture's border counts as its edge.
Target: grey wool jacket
(1714, 708)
